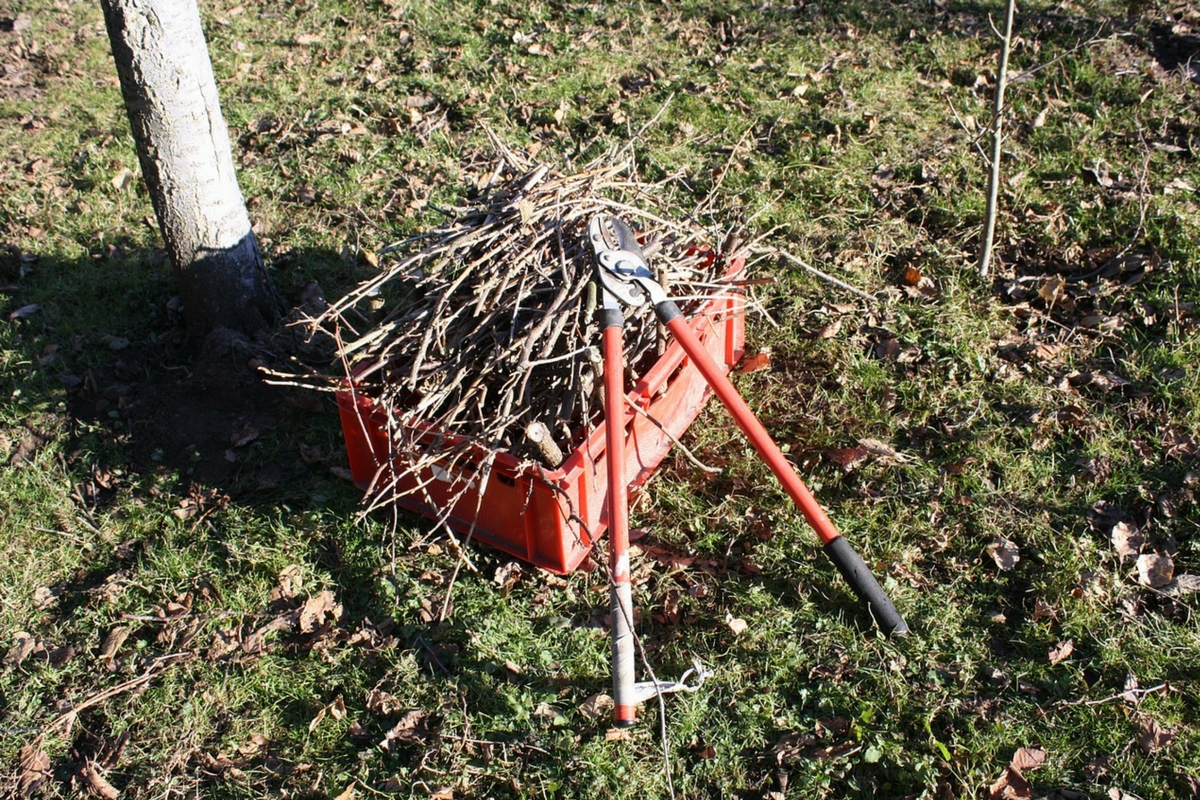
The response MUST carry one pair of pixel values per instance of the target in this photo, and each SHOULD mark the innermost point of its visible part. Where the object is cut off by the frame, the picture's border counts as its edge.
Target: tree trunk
(183, 146)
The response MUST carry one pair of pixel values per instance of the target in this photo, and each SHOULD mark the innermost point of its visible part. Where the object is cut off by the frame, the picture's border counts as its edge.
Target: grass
(850, 131)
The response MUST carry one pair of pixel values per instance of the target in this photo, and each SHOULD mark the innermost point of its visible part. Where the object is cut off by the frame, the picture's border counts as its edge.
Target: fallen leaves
(1152, 737)
(1127, 540)
(46, 596)
(112, 643)
(1005, 553)
(383, 703)
(95, 782)
(1012, 783)
(1028, 759)
(849, 458)
(316, 609)
(34, 770)
(596, 706)
(24, 312)
(336, 710)
(1155, 571)
(411, 729)
(316, 622)
(1061, 651)
(829, 740)
(756, 363)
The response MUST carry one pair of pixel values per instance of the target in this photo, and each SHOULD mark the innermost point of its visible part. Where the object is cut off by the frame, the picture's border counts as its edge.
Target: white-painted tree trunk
(183, 146)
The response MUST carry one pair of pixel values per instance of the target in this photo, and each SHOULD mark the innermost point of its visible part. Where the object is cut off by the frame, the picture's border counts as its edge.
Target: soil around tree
(208, 416)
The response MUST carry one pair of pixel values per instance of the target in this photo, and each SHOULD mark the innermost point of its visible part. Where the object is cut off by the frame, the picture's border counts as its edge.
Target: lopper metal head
(620, 263)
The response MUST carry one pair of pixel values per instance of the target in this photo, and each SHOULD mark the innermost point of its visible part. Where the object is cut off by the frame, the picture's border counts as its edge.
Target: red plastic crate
(550, 518)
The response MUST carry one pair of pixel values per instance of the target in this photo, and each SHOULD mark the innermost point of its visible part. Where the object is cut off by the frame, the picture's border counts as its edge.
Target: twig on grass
(989, 223)
(682, 448)
(825, 276)
(157, 667)
(1135, 694)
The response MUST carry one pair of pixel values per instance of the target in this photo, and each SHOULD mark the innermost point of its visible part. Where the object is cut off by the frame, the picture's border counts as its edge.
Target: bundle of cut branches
(483, 327)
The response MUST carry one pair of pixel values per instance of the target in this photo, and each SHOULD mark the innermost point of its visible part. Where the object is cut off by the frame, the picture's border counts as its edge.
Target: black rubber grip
(610, 318)
(859, 576)
(667, 311)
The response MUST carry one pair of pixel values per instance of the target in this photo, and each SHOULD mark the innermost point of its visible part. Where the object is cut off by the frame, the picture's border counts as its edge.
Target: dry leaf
(382, 703)
(25, 311)
(1183, 584)
(1154, 570)
(831, 330)
(44, 597)
(882, 450)
(527, 210)
(1011, 785)
(256, 641)
(736, 624)
(1152, 737)
(112, 643)
(245, 436)
(847, 457)
(1051, 289)
(257, 743)
(123, 179)
(1062, 651)
(618, 735)
(35, 770)
(507, 576)
(97, 786)
(1129, 691)
(596, 706)
(1127, 540)
(1043, 610)
(757, 362)
(23, 647)
(312, 616)
(1005, 553)
(349, 793)
(1047, 351)
(411, 729)
(1027, 759)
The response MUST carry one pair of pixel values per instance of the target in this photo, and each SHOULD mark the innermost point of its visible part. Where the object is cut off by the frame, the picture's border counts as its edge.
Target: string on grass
(477, 331)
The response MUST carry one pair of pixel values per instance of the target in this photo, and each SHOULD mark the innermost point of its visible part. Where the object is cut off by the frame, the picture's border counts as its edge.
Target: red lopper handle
(848, 562)
(623, 667)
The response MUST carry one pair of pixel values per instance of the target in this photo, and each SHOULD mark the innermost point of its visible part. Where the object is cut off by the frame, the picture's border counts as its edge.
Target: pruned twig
(989, 223)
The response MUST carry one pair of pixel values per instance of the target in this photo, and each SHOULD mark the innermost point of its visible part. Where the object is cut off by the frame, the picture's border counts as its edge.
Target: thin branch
(822, 275)
(989, 225)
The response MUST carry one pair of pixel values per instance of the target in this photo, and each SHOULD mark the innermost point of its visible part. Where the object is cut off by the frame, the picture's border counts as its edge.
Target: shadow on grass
(108, 378)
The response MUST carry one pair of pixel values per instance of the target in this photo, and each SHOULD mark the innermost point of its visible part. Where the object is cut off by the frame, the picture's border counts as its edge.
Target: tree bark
(183, 147)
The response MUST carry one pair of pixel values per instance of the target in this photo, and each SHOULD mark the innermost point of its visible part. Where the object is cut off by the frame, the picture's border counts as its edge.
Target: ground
(193, 604)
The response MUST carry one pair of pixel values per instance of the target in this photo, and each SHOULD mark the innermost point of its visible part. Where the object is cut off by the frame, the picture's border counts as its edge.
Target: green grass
(850, 131)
